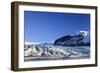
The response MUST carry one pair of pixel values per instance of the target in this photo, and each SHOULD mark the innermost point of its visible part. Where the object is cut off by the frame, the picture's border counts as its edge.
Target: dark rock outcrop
(69, 40)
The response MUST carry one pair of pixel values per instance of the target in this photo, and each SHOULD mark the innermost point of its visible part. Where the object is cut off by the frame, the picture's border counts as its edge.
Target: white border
(33, 64)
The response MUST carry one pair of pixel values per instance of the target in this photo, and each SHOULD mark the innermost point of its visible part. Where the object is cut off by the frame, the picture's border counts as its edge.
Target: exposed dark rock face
(62, 39)
(69, 40)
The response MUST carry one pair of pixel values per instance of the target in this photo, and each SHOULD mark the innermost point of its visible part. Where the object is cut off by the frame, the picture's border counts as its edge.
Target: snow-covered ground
(47, 51)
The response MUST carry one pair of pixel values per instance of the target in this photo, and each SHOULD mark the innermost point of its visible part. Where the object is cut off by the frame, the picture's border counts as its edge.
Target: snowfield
(47, 51)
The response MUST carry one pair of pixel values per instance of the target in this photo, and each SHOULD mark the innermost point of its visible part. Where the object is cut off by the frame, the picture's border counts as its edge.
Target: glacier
(47, 51)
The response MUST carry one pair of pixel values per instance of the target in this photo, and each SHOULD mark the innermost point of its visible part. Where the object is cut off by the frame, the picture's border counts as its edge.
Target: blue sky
(48, 26)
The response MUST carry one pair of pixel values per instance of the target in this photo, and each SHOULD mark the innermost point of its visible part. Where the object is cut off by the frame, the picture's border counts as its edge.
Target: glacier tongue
(50, 51)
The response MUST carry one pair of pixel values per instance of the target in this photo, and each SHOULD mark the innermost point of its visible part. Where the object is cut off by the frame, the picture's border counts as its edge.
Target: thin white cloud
(85, 33)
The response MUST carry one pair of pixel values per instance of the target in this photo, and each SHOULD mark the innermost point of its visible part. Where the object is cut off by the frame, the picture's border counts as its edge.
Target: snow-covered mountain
(80, 39)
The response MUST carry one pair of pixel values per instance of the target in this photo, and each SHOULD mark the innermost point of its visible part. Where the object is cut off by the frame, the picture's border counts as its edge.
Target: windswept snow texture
(47, 51)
